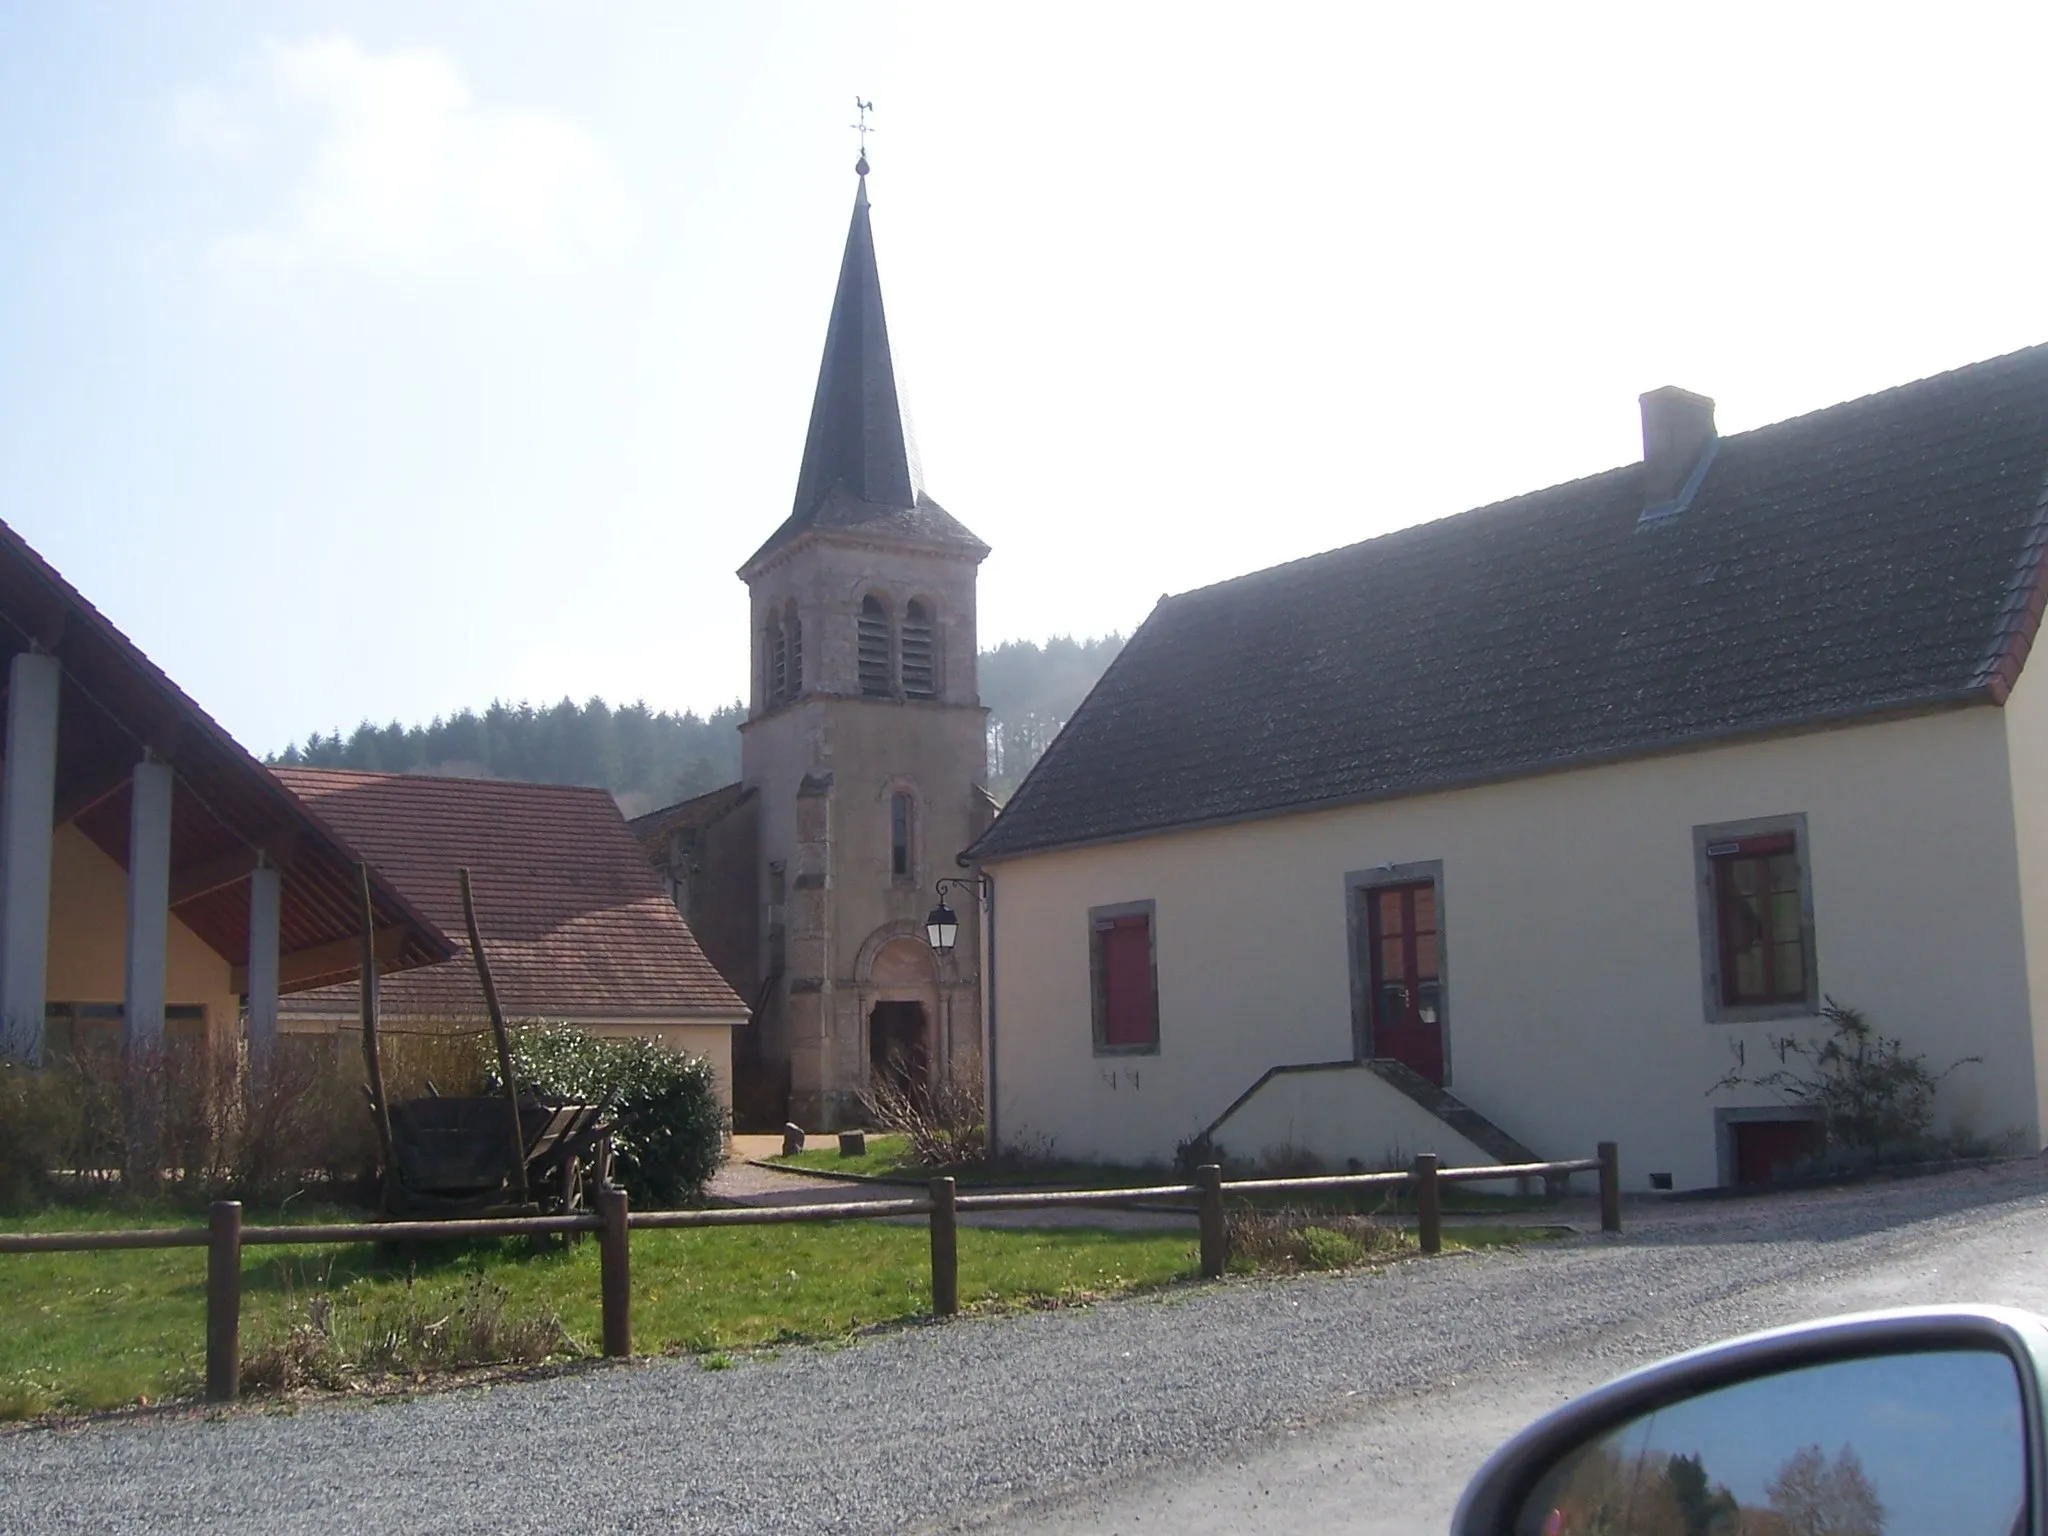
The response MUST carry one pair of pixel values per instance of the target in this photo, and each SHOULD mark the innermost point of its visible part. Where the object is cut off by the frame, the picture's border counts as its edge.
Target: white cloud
(407, 173)
(207, 120)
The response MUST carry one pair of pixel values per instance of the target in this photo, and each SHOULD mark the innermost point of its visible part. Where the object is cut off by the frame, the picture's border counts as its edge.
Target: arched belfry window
(775, 664)
(872, 648)
(794, 628)
(920, 660)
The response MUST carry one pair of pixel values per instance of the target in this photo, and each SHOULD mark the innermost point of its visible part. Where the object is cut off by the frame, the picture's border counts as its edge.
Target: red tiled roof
(574, 921)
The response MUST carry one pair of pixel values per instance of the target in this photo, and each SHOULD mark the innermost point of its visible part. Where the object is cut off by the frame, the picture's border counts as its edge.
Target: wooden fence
(224, 1237)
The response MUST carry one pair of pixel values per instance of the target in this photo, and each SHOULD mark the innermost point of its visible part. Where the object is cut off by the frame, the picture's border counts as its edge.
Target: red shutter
(1130, 1015)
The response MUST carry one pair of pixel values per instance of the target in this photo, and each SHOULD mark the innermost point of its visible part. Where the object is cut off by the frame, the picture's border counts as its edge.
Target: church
(863, 760)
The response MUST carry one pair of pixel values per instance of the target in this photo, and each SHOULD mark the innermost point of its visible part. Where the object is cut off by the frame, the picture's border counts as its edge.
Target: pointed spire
(860, 466)
(857, 437)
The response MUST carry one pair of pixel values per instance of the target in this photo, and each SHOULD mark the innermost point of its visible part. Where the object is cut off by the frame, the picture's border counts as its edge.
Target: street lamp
(941, 924)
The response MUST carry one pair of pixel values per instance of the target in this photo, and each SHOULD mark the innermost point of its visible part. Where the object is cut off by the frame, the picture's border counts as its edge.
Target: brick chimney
(1678, 440)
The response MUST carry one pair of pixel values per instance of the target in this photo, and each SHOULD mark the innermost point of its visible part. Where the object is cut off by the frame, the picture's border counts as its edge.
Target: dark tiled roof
(860, 467)
(1875, 556)
(573, 919)
(654, 828)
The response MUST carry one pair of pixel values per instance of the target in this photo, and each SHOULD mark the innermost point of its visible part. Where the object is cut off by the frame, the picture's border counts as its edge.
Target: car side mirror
(1922, 1420)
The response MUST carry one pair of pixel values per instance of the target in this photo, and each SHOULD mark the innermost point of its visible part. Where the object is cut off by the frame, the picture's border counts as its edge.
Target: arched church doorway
(898, 1052)
(901, 993)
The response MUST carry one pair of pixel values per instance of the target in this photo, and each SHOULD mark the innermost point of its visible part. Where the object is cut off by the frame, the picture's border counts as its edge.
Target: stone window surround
(1714, 1010)
(1358, 883)
(900, 785)
(1097, 1000)
(895, 608)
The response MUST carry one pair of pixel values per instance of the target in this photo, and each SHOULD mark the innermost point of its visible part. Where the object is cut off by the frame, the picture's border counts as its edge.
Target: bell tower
(865, 741)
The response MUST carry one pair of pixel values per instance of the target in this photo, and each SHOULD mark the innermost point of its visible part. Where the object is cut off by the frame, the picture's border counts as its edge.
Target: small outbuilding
(575, 924)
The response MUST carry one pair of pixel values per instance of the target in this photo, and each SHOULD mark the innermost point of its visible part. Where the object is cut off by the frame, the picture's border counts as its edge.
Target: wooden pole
(224, 1302)
(945, 1251)
(1429, 1204)
(615, 1283)
(1610, 1186)
(1215, 1238)
(483, 975)
(380, 1107)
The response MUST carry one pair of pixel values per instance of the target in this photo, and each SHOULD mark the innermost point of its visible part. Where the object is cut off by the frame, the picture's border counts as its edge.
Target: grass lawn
(84, 1331)
(81, 1331)
(889, 1157)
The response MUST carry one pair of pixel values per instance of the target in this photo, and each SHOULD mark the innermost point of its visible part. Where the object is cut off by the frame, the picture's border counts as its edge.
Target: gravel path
(1122, 1416)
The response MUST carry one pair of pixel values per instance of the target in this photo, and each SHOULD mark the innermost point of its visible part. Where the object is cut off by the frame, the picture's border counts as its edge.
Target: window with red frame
(1126, 990)
(1759, 920)
(1406, 981)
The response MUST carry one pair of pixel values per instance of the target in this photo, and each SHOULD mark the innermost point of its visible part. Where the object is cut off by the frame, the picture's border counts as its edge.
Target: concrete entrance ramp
(1363, 1115)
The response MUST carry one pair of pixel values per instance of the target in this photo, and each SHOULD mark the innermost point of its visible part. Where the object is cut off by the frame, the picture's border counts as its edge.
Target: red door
(1764, 1147)
(1407, 988)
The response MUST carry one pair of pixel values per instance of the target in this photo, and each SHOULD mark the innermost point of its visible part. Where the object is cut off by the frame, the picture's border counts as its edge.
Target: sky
(368, 360)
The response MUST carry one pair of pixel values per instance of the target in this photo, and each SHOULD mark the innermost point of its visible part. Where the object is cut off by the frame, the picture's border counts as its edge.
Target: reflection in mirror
(1932, 1441)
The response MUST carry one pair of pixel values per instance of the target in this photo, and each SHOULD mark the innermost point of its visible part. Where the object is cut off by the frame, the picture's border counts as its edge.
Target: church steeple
(860, 466)
(858, 437)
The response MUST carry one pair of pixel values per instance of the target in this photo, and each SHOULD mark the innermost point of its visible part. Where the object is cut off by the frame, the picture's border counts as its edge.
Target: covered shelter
(152, 871)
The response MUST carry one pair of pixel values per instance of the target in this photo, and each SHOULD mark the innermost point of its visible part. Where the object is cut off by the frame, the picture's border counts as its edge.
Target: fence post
(1215, 1238)
(945, 1251)
(615, 1260)
(1429, 1203)
(1610, 1187)
(224, 1302)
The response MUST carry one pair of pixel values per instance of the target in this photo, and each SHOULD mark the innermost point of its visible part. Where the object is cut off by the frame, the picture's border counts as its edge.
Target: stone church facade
(862, 761)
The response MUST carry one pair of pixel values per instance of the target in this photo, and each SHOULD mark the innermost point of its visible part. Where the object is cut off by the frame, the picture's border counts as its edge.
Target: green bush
(669, 1135)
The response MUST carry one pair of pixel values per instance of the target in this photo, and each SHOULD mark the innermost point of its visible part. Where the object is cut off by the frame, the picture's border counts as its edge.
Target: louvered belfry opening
(920, 675)
(778, 665)
(795, 630)
(873, 648)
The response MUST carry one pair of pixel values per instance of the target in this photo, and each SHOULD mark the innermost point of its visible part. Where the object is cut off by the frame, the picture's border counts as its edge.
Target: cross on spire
(861, 166)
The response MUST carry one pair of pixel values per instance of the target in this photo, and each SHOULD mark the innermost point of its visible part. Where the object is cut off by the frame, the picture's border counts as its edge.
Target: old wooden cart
(477, 1155)
(452, 1156)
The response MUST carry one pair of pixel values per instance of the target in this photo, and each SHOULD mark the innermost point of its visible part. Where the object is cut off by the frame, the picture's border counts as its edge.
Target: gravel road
(1326, 1403)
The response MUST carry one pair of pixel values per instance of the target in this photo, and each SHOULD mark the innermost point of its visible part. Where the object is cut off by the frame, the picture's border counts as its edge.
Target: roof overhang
(1991, 694)
(228, 811)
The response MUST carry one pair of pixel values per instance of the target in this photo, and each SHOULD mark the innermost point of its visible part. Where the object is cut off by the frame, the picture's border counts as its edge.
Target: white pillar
(28, 801)
(266, 899)
(149, 903)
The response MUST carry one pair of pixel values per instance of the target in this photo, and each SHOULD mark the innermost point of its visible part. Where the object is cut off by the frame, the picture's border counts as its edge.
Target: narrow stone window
(920, 673)
(872, 636)
(901, 810)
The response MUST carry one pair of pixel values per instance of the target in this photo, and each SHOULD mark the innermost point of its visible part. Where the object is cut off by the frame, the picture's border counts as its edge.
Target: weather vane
(863, 130)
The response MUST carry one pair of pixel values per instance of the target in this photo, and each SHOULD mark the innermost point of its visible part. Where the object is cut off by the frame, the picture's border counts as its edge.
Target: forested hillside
(650, 758)
(644, 757)
(1030, 689)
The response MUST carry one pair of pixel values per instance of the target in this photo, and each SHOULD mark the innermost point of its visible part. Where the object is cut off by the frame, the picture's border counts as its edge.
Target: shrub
(943, 1121)
(669, 1127)
(1875, 1100)
(1292, 1238)
(332, 1341)
(36, 1116)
